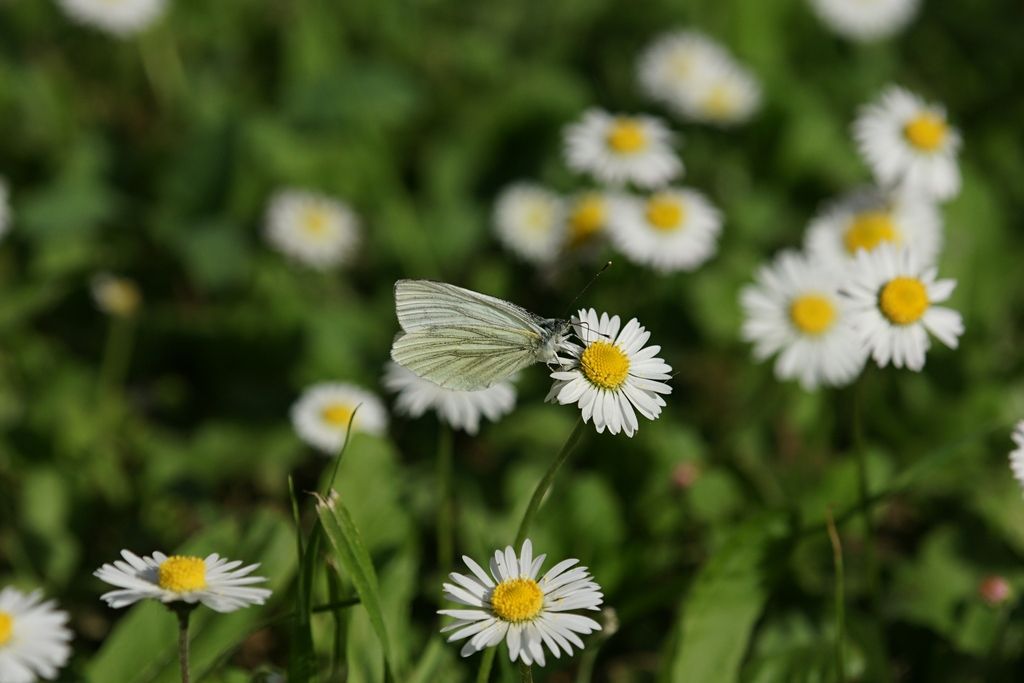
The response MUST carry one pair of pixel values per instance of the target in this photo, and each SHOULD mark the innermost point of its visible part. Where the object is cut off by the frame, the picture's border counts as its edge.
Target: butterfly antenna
(585, 288)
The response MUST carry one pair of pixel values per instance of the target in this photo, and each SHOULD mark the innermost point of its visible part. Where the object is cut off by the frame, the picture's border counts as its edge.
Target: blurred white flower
(5, 208)
(119, 17)
(616, 149)
(34, 637)
(794, 310)
(587, 216)
(314, 229)
(613, 375)
(517, 607)
(530, 221)
(723, 93)
(115, 295)
(892, 297)
(673, 229)
(868, 218)
(866, 20)
(909, 145)
(213, 581)
(321, 415)
(669, 66)
(1017, 454)
(460, 409)
(698, 79)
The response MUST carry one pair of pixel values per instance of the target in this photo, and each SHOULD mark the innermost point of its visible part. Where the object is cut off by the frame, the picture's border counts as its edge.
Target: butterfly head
(556, 336)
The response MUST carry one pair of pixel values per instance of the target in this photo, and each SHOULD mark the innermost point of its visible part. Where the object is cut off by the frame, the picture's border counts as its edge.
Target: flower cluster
(867, 284)
(638, 204)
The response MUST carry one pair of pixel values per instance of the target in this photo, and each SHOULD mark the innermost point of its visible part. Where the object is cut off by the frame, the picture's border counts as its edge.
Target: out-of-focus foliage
(154, 157)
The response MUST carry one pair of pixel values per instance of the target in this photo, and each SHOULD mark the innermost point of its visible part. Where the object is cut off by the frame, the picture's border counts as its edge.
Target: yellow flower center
(605, 365)
(665, 212)
(517, 600)
(812, 313)
(903, 300)
(6, 627)
(538, 217)
(586, 219)
(681, 64)
(719, 102)
(868, 230)
(118, 296)
(926, 131)
(182, 574)
(337, 414)
(627, 136)
(315, 222)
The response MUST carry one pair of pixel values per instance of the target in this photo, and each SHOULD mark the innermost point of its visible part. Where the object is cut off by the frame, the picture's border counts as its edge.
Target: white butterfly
(464, 340)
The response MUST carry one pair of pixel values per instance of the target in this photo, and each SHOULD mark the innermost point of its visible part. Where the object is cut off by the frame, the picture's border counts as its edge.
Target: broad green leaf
(720, 610)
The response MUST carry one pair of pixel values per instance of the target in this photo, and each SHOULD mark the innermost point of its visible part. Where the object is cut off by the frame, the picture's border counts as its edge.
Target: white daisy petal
(611, 380)
(525, 613)
(909, 145)
(619, 149)
(795, 310)
(891, 309)
(321, 415)
(673, 229)
(313, 229)
(461, 410)
(866, 20)
(122, 18)
(216, 584)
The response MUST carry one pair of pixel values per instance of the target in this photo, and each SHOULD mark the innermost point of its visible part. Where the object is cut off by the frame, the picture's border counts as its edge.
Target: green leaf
(720, 610)
(353, 557)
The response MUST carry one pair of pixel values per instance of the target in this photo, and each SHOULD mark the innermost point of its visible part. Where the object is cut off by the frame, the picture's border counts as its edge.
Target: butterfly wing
(460, 339)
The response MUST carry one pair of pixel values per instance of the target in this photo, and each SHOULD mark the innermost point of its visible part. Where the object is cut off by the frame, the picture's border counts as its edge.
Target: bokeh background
(155, 156)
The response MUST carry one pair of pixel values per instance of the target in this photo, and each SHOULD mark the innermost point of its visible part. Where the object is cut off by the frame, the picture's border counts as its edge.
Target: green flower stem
(445, 501)
(545, 483)
(483, 674)
(117, 353)
(864, 491)
(162, 64)
(840, 598)
(486, 662)
(525, 673)
(183, 611)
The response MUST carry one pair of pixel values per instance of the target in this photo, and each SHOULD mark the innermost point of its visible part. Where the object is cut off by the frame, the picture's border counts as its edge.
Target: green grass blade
(354, 559)
(301, 654)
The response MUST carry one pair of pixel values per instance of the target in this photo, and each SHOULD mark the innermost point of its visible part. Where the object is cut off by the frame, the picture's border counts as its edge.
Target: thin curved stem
(545, 483)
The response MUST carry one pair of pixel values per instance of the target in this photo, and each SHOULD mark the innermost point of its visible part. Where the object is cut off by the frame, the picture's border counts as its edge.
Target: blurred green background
(154, 157)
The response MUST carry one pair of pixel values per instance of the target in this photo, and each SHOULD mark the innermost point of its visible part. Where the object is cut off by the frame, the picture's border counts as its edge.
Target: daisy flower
(865, 20)
(5, 209)
(723, 93)
(909, 145)
(587, 217)
(322, 413)
(460, 409)
(892, 299)
(672, 229)
(119, 17)
(33, 637)
(669, 66)
(115, 295)
(313, 229)
(221, 585)
(617, 149)
(794, 310)
(1017, 454)
(867, 219)
(517, 607)
(612, 376)
(530, 221)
